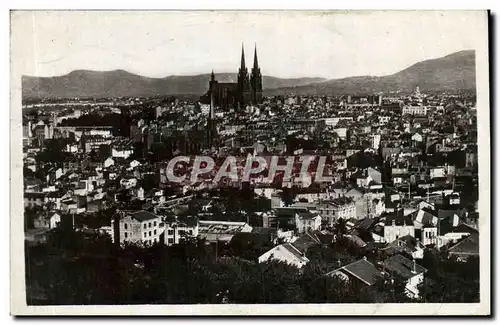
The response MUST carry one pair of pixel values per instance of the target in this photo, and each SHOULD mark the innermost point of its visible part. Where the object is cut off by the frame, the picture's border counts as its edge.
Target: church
(246, 91)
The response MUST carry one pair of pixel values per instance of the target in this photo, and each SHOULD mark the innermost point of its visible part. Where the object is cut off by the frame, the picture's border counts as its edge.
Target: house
(332, 210)
(412, 273)
(121, 152)
(361, 271)
(215, 231)
(95, 205)
(69, 204)
(407, 244)
(178, 229)
(284, 218)
(466, 248)
(397, 225)
(34, 199)
(455, 235)
(134, 163)
(307, 221)
(50, 220)
(307, 240)
(137, 226)
(258, 239)
(454, 198)
(109, 162)
(417, 137)
(286, 253)
(374, 174)
(128, 182)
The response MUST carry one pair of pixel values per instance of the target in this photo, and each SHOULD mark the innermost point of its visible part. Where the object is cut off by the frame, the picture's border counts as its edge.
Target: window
(170, 240)
(150, 233)
(145, 234)
(155, 231)
(126, 235)
(145, 225)
(170, 231)
(125, 226)
(154, 223)
(190, 232)
(149, 225)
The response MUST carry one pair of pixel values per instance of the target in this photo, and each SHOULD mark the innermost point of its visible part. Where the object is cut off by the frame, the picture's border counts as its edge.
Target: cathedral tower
(256, 80)
(244, 87)
(211, 124)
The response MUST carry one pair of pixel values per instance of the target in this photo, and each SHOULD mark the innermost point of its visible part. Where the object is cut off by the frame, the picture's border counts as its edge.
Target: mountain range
(454, 71)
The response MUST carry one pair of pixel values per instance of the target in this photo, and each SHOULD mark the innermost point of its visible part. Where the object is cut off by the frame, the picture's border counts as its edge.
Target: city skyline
(180, 43)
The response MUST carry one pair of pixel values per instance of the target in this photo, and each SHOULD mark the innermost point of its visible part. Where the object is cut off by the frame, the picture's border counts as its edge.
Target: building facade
(137, 226)
(246, 91)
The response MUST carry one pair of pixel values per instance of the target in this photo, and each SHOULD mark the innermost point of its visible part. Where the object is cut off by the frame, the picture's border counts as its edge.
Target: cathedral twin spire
(250, 87)
(255, 61)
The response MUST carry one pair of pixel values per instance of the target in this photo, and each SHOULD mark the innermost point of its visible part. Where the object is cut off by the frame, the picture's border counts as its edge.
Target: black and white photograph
(250, 162)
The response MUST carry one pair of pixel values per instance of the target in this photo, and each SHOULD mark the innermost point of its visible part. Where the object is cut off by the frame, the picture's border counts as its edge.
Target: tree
(449, 281)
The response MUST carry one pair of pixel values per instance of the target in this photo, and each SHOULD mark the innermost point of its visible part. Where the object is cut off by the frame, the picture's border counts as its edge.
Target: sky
(290, 43)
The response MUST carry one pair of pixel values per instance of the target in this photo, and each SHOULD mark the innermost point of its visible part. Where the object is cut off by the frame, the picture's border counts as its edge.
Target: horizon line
(264, 75)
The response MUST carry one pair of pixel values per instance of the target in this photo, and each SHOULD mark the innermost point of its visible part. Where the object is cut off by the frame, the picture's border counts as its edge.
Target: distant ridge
(120, 83)
(454, 71)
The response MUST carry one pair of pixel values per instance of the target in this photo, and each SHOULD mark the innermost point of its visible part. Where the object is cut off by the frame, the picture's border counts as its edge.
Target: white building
(138, 226)
(410, 271)
(178, 230)
(121, 152)
(286, 253)
(214, 231)
(307, 221)
(414, 110)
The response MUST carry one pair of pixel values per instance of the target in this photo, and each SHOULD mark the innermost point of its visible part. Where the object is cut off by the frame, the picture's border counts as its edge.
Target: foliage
(87, 268)
(448, 280)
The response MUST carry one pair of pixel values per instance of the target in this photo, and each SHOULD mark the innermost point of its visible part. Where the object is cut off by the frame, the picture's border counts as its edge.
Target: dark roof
(305, 241)
(262, 230)
(403, 267)
(34, 195)
(465, 228)
(398, 218)
(324, 238)
(447, 213)
(251, 238)
(342, 201)
(292, 249)
(142, 215)
(406, 243)
(468, 246)
(363, 270)
(289, 212)
(306, 215)
(32, 181)
(366, 223)
(424, 216)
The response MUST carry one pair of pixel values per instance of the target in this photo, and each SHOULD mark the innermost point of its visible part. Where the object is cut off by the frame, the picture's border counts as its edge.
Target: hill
(454, 71)
(119, 83)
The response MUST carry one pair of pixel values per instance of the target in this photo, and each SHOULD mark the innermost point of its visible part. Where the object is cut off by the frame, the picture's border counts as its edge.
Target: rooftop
(142, 215)
(361, 269)
(403, 267)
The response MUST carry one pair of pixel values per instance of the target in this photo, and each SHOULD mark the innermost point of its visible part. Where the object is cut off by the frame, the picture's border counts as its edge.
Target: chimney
(414, 270)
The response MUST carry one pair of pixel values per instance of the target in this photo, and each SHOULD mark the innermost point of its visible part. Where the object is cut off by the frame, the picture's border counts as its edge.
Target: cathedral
(246, 91)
